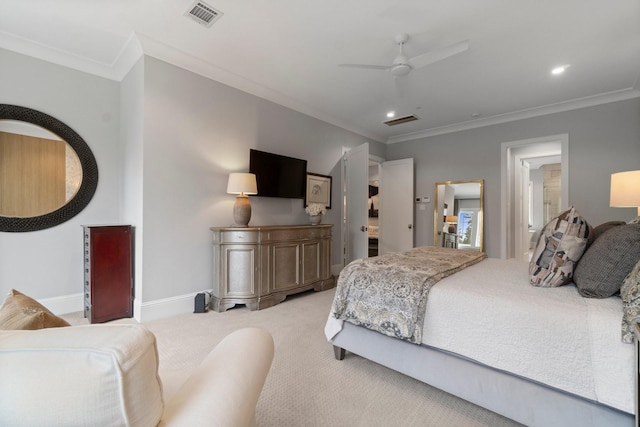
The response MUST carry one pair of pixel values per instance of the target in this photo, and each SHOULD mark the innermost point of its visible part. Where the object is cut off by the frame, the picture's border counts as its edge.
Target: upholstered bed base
(514, 397)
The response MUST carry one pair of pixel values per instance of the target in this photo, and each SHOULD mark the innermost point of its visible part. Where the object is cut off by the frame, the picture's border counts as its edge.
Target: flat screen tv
(277, 175)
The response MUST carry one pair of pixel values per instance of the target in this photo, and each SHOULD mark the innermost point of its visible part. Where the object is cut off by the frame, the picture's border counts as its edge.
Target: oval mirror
(48, 173)
(458, 215)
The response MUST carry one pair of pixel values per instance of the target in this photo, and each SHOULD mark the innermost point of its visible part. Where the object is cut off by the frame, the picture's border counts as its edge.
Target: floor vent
(400, 120)
(203, 14)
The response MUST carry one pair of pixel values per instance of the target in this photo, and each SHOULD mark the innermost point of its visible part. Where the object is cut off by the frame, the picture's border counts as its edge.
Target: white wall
(49, 263)
(132, 138)
(602, 140)
(164, 140)
(197, 131)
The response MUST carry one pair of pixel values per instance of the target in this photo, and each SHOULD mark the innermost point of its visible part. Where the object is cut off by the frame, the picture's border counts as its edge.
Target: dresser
(450, 240)
(260, 266)
(108, 272)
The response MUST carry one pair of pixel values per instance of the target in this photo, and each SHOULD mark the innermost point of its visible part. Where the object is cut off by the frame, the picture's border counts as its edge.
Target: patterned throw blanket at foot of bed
(389, 293)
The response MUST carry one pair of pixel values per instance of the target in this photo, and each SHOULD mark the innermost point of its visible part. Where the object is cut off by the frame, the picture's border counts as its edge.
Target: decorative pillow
(630, 293)
(22, 312)
(560, 246)
(597, 231)
(608, 261)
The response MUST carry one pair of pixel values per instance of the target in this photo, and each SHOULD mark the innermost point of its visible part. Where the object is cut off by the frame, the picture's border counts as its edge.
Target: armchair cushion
(100, 375)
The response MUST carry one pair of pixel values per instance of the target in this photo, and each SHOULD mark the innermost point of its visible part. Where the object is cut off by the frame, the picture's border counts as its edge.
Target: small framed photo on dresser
(318, 190)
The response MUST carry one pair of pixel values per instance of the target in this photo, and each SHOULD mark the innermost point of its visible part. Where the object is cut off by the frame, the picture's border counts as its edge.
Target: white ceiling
(289, 51)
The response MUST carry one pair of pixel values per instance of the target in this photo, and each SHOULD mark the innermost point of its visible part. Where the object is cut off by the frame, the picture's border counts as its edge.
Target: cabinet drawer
(315, 233)
(235, 237)
(282, 235)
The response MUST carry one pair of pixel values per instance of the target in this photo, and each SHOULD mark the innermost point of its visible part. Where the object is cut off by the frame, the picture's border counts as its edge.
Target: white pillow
(91, 375)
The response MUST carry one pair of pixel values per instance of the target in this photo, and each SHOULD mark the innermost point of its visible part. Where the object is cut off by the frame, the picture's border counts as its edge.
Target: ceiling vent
(400, 120)
(203, 14)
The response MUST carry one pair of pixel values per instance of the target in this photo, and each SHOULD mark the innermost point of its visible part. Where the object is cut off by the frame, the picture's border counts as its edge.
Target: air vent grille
(401, 120)
(203, 13)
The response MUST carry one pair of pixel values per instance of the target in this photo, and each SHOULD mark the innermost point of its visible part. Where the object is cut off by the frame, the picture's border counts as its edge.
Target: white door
(356, 187)
(522, 211)
(396, 206)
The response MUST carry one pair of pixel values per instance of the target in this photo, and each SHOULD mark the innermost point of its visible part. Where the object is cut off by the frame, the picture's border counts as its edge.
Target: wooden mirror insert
(458, 214)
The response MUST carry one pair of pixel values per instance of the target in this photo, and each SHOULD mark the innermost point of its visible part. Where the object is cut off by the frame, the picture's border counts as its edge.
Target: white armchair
(108, 375)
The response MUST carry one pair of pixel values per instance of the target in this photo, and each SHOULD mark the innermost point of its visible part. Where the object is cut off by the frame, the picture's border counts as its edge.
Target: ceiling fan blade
(371, 67)
(429, 58)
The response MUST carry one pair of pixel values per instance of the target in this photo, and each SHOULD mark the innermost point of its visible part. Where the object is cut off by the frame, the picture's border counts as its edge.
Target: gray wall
(197, 131)
(48, 263)
(602, 140)
(165, 140)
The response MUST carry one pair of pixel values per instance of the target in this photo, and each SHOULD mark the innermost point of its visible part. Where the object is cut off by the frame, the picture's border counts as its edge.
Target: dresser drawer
(235, 236)
(282, 235)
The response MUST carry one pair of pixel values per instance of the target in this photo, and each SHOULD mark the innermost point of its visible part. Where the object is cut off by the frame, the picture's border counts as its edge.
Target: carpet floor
(306, 385)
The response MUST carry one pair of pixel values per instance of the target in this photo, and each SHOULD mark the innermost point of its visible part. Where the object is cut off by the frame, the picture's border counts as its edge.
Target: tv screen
(277, 175)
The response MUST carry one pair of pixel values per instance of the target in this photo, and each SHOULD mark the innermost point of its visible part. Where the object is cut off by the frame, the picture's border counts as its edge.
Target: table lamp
(242, 184)
(452, 220)
(625, 190)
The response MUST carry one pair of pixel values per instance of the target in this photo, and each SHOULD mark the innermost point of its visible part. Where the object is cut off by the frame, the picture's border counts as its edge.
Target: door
(522, 211)
(356, 187)
(396, 206)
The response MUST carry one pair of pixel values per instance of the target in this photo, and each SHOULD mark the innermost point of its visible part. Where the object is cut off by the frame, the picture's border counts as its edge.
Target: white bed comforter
(490, 313)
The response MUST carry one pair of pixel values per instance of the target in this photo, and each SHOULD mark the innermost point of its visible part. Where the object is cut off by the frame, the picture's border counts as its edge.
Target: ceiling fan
(402, 65)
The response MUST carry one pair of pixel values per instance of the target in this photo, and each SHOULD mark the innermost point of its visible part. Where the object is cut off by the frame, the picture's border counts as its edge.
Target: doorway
(395, 189)
(523, 187)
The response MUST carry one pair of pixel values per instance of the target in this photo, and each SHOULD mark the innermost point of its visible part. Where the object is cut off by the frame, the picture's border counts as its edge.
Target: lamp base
(241, 211)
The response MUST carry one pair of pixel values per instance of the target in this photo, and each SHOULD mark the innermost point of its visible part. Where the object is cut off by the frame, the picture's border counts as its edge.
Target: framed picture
(318, 190)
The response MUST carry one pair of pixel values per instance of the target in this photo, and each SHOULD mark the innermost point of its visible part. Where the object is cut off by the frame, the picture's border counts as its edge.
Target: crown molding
(116, 70)
(589, 101)
(179, 58)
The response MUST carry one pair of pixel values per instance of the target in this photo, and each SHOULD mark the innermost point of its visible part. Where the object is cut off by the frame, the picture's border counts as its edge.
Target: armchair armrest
(226, 386)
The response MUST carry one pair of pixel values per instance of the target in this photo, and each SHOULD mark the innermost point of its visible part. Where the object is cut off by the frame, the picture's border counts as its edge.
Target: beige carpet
(306, 385)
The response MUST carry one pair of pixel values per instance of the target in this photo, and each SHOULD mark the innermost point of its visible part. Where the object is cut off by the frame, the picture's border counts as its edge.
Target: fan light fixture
(559, 70)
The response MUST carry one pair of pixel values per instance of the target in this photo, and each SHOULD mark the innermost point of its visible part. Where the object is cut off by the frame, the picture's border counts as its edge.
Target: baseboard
(143, 312)
(336, 269)
(64, 304)
(165, 307)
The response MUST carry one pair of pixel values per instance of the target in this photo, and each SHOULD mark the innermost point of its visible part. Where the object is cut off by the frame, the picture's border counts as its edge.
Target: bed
(540, 356)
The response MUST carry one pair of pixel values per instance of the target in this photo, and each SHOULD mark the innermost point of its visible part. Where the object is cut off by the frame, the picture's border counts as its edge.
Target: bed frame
(517, 398)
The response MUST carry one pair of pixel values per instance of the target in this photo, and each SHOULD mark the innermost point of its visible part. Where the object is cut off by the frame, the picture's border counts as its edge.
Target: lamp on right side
(625, 190)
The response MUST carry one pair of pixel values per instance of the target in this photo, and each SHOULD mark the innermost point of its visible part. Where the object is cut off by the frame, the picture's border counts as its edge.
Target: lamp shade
(452, 219)
(625, 189)
(242, 183)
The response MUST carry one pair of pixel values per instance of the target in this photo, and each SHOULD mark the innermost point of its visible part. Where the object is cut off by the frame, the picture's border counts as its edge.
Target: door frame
(534, 147)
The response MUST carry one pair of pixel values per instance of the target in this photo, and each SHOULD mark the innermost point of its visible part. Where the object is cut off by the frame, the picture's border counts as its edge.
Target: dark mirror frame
(89, 171)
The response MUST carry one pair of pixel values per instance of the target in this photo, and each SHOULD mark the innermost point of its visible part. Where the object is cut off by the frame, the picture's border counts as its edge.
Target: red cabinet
(108, 272)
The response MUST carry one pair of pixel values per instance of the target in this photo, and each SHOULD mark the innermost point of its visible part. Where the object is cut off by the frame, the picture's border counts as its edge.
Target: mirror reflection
(39, 172)
(458, 214)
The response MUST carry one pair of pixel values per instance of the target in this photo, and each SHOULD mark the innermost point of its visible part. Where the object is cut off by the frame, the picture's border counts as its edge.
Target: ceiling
(289, 51)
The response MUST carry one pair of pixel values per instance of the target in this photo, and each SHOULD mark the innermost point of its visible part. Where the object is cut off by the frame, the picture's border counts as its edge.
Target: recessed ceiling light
(559, 70)
(391, 114)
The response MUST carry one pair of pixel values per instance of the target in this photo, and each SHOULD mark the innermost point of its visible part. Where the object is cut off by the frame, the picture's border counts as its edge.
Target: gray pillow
(600, 229)
(611, 257)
